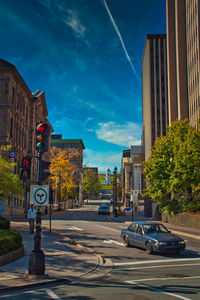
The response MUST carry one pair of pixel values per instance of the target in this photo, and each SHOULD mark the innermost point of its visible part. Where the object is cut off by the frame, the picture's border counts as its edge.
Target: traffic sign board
(40, 195)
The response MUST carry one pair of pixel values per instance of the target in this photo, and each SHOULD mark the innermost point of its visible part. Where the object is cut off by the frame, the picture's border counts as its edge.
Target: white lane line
(108, 241)
(109, 228)
(154, 261)
(158, 290)
(122, 227)
(164, 278)
(75, 228)
(52, 295)
(155, 267)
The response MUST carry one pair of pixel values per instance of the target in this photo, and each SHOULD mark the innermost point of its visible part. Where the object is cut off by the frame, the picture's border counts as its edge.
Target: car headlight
(182, 242)
(162, 243)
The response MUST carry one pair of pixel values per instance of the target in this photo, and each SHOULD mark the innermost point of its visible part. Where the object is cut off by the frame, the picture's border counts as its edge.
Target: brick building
(20, 109)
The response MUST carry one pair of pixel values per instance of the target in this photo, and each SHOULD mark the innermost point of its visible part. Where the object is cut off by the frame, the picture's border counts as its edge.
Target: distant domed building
(107, 180)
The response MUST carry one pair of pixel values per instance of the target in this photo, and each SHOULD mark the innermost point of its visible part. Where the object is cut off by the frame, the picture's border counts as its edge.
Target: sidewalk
(176, 229)
(64, 260)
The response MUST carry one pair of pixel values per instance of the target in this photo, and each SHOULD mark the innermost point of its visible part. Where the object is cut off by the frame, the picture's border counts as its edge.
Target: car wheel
(148, 248)
(126, 241)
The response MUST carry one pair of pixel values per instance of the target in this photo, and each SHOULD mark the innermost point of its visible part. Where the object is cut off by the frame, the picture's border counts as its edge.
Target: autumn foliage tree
(64, 171)
(173, 170)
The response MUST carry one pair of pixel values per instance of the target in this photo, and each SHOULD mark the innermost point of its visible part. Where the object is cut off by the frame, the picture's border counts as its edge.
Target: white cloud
(120, 134)
(102, 160)
(74, 22)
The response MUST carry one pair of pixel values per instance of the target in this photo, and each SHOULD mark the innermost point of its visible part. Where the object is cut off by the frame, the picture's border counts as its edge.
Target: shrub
(4, 223)
(9, 240)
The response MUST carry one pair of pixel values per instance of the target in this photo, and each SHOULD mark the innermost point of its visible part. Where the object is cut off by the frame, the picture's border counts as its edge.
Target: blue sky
(87, 57)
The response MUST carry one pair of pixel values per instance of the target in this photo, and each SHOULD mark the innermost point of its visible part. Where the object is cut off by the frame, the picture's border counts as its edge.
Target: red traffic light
(42, 132)
(41, 127)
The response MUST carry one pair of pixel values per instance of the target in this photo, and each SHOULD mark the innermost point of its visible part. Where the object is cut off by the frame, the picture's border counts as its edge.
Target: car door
(131, 234)
(139, 237)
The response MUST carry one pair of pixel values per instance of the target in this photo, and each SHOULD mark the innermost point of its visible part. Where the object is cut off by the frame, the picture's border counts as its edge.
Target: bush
(9, 240)
(4, 223)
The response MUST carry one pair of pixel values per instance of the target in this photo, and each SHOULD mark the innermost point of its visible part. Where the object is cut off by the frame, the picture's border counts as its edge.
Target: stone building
(20, 110)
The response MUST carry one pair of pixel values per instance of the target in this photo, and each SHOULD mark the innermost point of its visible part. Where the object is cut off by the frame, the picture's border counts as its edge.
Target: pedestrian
(31, 218)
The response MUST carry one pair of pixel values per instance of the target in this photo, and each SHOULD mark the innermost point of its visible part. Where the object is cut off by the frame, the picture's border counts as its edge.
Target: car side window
(139, 229)
(131, 227)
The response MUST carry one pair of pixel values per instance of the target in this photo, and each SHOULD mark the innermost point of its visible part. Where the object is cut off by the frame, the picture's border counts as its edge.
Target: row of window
(64, 145)
(16, 203)
(18, 134)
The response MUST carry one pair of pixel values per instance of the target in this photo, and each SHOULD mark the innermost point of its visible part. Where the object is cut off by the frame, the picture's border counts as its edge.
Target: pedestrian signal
(25, 169)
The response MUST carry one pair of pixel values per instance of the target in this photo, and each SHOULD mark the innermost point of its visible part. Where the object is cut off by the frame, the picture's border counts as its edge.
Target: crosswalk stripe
(154, 261)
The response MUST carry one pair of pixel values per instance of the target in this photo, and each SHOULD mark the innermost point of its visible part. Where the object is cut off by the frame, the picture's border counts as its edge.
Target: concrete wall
(189, 220)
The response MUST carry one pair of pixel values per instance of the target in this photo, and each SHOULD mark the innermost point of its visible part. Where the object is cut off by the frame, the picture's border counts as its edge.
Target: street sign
(40, 195)
(12, 156)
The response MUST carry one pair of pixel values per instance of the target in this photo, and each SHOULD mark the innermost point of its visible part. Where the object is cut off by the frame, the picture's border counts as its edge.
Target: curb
(12, 256)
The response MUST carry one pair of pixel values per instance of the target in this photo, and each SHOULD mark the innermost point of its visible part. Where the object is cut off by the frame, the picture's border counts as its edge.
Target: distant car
(104, 209)
(154, 237)
(127, 208)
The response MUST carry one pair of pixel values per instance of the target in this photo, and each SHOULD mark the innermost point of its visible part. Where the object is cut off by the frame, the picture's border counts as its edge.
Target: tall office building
(154, 98)
(154, 91)
(193, 54)
(183, 59)
(177, 60)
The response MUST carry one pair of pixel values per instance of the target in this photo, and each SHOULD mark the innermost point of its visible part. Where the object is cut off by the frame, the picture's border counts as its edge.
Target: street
(135, 274)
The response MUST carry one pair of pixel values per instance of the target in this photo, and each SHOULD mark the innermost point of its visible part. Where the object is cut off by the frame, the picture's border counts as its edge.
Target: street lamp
(115, 191)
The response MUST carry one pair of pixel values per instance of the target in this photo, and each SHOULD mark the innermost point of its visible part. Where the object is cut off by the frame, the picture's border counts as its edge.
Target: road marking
(158, 290)
(123, 227)
(155, 261)
(108, 241)
(154, 267)
(75, 228)
(109, 228)
(53, 295)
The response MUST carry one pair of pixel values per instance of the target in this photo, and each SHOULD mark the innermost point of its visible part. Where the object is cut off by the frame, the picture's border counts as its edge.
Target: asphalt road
(135, 274)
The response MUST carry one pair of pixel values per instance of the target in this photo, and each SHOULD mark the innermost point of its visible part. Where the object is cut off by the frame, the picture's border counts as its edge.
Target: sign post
(40, 197)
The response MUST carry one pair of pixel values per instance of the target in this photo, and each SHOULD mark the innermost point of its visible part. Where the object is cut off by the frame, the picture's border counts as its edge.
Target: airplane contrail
(120, 38)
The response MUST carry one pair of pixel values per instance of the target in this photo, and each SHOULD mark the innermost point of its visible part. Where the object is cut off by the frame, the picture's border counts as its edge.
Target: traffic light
(42, 132)
(44, 170)
(25, 170)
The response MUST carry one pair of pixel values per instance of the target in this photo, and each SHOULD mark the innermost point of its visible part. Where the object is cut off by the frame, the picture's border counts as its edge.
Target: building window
(11, 127)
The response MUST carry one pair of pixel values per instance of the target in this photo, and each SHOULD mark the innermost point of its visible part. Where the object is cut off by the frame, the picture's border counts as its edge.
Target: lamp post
(115, 191)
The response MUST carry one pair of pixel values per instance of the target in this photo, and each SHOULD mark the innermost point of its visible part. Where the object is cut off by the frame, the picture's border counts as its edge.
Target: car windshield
(154, 228)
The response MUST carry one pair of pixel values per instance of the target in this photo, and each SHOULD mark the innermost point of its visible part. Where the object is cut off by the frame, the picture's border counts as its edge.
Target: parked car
(154, 237)
(127, 208)
(104, 209)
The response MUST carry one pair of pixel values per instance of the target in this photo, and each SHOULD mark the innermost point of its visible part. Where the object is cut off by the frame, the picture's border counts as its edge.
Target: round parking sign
(40, 196)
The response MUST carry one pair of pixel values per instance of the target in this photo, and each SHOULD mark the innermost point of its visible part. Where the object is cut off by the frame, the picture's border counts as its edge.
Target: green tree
(173, 170)
(91, 184)
(10, 184)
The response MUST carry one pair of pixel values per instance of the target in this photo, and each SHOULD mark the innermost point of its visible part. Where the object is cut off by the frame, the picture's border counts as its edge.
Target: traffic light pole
(37, 257)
